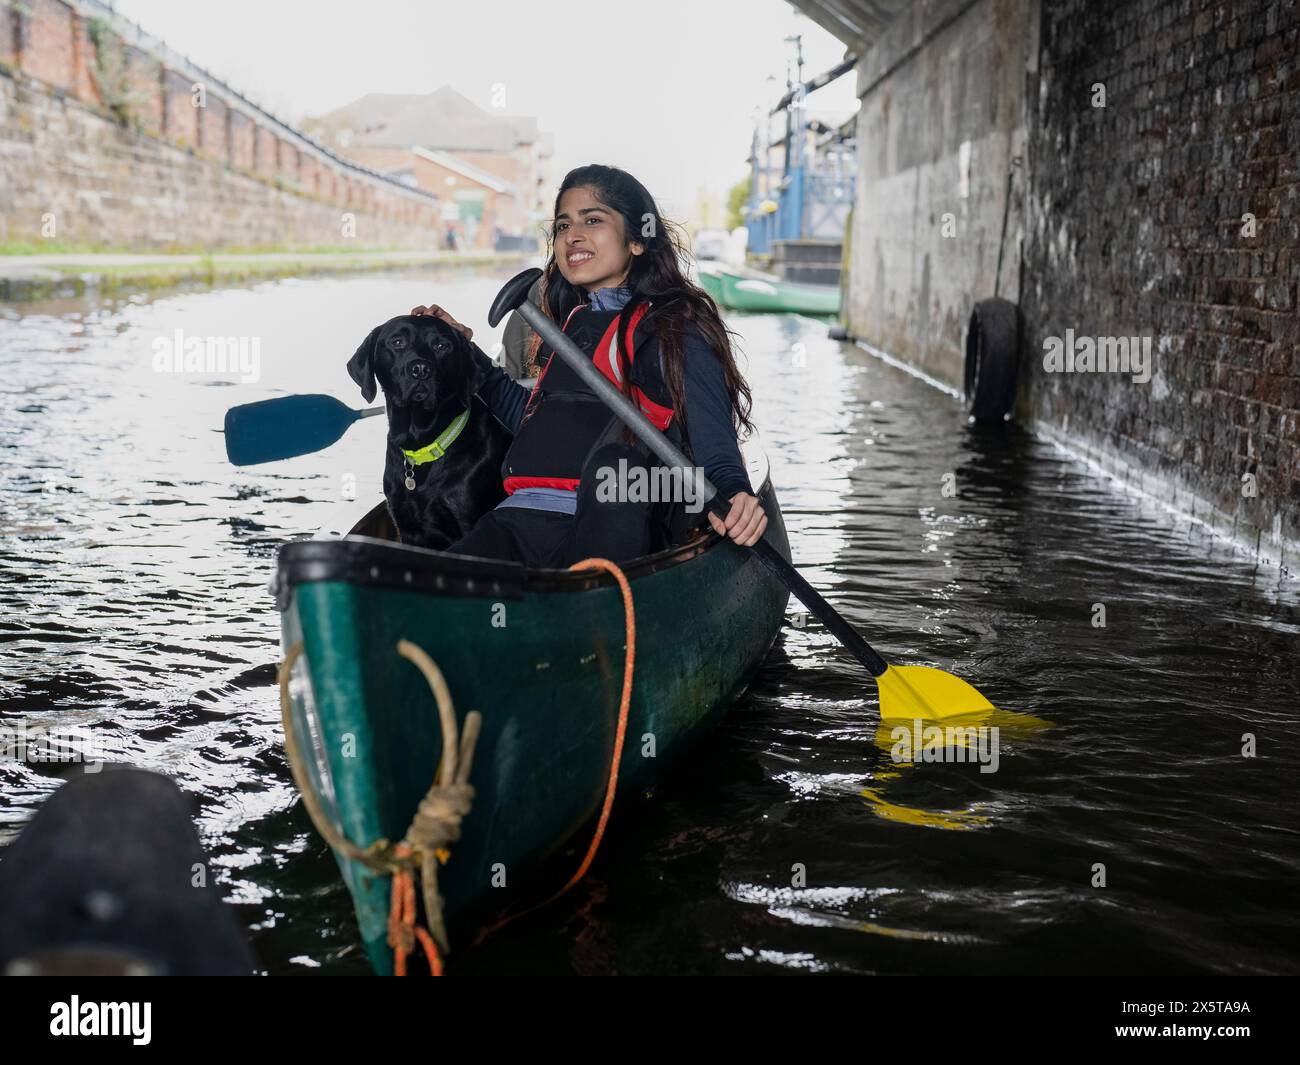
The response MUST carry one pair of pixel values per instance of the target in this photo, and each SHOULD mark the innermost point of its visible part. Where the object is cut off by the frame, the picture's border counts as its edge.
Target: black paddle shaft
(513, 297)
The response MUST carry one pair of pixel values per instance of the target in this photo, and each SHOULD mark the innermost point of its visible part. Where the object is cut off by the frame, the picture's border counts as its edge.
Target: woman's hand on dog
(745, 521)
(437, 312)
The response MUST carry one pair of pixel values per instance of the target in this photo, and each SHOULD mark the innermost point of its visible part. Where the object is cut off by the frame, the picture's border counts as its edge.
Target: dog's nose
(419, 370)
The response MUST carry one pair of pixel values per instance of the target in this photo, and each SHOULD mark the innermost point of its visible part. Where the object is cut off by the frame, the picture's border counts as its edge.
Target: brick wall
(143, 94)
(1173, 212)
(98, 127)
(432, 175)
(46, 30)
(83, 53)
(267, 161)
(211, 133)
(241, 141)
(180, 116)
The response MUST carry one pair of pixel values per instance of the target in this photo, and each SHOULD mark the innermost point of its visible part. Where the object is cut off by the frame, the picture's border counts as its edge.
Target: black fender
(992, 360)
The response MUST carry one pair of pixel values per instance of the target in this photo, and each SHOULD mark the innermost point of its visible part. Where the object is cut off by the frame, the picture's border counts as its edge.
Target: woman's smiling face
(590, 246)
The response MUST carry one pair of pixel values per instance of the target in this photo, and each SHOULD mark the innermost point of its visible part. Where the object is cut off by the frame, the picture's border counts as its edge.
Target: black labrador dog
(429, 378)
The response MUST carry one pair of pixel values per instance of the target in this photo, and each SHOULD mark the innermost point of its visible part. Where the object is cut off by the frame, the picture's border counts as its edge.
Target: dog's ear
(476, 367)
(361, 367)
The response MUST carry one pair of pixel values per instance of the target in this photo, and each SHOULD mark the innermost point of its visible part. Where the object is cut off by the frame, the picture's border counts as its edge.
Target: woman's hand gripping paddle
(906, 692)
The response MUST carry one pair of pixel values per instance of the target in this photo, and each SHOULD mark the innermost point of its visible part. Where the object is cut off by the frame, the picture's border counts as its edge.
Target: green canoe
(740, 289)
(540, 654)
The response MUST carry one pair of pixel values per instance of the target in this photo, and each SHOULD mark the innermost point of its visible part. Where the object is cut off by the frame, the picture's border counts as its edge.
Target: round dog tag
(410, 484)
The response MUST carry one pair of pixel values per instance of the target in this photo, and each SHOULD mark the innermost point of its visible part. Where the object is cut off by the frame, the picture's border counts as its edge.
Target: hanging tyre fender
(992, 360)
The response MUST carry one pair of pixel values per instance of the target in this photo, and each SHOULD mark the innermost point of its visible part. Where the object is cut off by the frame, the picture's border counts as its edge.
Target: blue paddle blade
(282, 428)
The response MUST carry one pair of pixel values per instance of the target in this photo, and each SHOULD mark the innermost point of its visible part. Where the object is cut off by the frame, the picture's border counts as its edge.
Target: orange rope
(624, 704)
(620, 734)
(402, 929)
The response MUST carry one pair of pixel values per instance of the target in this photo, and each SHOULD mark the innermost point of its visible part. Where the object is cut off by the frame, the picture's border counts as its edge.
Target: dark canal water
(133, 603)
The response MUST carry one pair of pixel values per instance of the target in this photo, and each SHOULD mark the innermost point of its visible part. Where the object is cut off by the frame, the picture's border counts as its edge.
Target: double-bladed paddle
(905, 691)
(282, 428)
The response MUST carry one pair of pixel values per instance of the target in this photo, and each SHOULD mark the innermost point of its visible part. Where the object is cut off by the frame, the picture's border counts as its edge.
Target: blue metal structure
(808, 195)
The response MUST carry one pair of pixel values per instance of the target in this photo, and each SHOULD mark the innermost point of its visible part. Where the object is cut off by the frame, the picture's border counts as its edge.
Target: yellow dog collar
(433, 452)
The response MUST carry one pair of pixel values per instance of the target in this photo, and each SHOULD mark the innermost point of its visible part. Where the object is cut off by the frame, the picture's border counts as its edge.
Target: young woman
(614, 281)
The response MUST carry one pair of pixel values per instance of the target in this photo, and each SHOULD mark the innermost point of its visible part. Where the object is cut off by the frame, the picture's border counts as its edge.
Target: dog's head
(425, 368)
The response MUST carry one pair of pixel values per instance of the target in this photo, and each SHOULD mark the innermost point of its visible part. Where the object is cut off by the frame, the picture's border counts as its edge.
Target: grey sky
(665, 89)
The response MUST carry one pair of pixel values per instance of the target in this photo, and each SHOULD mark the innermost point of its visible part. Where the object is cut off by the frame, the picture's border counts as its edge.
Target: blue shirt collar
(609, 299)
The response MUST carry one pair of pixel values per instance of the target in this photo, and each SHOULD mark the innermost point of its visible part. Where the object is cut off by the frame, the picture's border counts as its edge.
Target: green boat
(540, 653)
(742, 289)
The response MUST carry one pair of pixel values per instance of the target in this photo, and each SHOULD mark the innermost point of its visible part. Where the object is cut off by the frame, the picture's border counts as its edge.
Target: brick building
(489, 168)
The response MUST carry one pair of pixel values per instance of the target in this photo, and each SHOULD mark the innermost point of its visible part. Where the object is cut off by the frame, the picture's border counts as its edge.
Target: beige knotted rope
(435, 825)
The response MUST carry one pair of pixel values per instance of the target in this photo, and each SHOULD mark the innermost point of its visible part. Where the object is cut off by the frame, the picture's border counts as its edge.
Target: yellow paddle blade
(954, 820)
(929, 694)
(958, 731)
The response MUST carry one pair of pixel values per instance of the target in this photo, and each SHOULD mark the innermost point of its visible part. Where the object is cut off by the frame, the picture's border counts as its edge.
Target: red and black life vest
(564, 421)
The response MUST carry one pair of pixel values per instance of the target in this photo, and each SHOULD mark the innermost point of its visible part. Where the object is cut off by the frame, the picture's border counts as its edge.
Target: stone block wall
(100, 136)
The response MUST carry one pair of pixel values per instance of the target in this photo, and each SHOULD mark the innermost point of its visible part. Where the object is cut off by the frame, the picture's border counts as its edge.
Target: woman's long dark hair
(657, 276)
